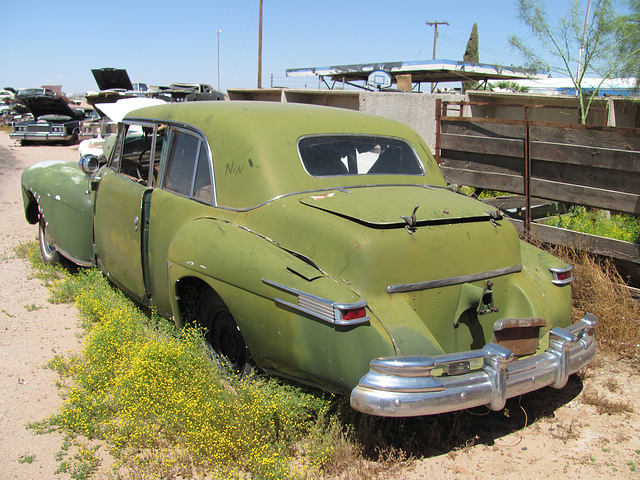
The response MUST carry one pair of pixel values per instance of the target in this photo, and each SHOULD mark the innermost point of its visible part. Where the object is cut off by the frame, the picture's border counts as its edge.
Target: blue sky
(163, 41)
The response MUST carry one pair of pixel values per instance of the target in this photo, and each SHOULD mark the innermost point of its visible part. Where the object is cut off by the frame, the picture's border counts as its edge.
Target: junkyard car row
(46, 115)
(321, 245)
(53, 119)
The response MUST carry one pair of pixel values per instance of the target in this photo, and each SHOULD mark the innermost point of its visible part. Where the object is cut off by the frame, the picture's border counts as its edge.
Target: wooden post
(527, 171)
(438, 127)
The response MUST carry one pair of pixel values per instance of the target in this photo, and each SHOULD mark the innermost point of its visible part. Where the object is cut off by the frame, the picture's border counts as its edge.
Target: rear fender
(248, 271)
(536, 263)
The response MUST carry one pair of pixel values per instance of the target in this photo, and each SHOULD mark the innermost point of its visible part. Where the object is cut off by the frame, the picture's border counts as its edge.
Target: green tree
(627, 33)
(579, 44)
(508, 85)
(471, 55)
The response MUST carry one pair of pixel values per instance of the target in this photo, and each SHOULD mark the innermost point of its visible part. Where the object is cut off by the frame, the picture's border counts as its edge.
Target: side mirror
(89, 164)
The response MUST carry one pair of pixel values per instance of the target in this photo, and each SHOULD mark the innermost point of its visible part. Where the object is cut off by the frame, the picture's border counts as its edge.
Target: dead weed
(564, 433)
(603, 404)
(599, 289)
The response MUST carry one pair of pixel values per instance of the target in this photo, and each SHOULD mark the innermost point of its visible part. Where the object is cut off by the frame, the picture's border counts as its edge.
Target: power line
(435, 41)
(435, 33)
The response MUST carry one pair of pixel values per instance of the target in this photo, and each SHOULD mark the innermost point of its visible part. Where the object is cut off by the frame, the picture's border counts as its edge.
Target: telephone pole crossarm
(435, 33)
(435, 41)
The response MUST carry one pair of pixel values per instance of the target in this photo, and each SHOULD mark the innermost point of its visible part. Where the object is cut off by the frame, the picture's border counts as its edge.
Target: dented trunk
(443, 273)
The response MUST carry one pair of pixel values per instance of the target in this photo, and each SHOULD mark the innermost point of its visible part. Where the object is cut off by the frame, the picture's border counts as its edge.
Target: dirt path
(32, 330)
(571, 438)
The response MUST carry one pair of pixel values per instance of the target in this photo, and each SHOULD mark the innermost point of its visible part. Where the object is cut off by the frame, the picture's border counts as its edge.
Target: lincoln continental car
(320, 245)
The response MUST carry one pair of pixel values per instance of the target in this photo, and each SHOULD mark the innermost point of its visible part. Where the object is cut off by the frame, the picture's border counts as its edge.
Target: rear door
(184, 193)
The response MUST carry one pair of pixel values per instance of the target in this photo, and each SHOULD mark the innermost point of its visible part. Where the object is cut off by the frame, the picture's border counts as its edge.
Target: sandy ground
(32, 330)
(570, 438)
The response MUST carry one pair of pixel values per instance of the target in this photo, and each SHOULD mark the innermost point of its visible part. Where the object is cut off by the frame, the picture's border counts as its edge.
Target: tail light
(562, 276)
(350, 314)
(335, 313)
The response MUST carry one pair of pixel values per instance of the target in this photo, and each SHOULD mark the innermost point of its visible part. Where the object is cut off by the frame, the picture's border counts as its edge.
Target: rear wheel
(223, 335)
(49, 253)
(74, 139)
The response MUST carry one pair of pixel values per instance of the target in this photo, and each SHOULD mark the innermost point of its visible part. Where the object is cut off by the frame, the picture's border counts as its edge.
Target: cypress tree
(471, 55)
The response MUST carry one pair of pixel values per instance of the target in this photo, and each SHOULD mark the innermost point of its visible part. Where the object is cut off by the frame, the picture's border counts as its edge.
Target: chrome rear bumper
(404, 387)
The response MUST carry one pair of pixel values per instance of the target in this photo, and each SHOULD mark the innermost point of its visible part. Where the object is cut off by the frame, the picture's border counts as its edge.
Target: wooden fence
(595, 166)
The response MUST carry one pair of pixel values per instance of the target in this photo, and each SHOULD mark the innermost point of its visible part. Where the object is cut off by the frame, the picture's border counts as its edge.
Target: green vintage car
(321, 245)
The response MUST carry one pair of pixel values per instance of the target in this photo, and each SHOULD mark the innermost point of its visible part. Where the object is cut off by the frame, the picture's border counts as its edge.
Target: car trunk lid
(421, 258)
(388, 206)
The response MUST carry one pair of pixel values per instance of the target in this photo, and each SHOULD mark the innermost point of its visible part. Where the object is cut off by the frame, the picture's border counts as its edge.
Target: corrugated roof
(420, 70)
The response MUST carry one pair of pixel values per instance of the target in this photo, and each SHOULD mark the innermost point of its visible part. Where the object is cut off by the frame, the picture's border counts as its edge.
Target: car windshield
(333, 155)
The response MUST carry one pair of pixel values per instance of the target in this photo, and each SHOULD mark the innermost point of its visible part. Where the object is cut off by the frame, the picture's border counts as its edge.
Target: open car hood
(117, 110)
(40, 105)
(389, 205)
(112, 78)
(107, 96)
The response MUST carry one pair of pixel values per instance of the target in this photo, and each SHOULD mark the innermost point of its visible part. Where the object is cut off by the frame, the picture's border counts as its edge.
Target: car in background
(53, 119)
(6, 104)
(321, 245)
(188, 92)
(98, 130)
(6, 96)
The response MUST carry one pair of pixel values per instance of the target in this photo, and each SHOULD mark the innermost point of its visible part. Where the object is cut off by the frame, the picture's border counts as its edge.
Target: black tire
(223, 335)
(49, 254)
(74, 139)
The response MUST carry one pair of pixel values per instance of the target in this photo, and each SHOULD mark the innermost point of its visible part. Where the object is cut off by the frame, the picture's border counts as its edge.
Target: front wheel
(49, 253)
(223, 335)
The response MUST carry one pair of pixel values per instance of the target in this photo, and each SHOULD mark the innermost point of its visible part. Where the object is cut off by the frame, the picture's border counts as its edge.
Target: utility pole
(435, 41)
(219, 32)
(260, 48)
(435, 33)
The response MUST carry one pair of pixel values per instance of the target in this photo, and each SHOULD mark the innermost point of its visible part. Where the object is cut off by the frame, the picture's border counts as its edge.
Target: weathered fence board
(588, 165)
(488, 154)
(554, 191)
(607, 247)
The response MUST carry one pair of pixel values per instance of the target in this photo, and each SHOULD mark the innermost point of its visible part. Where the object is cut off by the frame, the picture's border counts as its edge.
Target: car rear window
(333, 155)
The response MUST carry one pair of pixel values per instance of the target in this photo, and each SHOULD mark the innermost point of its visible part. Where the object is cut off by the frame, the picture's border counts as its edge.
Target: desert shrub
(618, 226)
(164, 409)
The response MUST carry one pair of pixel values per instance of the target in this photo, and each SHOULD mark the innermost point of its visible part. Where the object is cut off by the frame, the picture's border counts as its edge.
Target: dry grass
(603, 404)
(599, 289)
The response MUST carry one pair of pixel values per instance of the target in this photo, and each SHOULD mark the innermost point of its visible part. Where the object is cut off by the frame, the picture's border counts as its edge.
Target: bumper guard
(403, 386)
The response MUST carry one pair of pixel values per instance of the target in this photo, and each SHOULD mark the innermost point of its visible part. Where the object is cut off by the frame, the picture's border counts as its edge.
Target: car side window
(202, 189)
(188, 171)
(132, 155)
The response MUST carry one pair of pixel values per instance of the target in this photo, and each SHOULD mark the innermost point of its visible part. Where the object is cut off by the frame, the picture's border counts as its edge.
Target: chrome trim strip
(321, 308)
(77, 261)
(331, 189)
(403, 386)
(447, 282)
